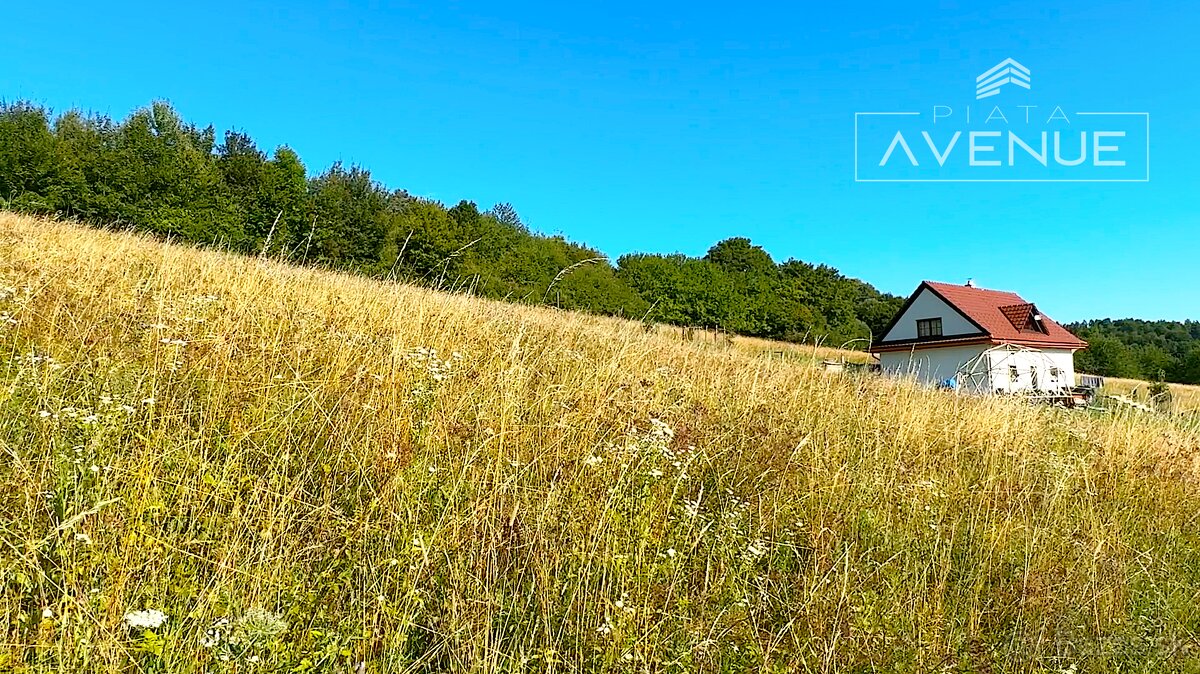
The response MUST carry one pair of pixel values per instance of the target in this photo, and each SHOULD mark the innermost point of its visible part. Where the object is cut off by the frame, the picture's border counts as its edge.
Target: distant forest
(156, 173)
(153, 172)
(1137, 349)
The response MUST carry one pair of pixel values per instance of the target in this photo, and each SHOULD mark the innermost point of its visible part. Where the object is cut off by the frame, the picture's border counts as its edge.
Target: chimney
(970, 283)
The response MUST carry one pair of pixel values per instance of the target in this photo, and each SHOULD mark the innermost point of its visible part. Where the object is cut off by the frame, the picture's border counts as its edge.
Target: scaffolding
(976, 375)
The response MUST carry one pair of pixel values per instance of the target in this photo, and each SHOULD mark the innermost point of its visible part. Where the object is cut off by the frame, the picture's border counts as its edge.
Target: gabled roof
(1001, 317)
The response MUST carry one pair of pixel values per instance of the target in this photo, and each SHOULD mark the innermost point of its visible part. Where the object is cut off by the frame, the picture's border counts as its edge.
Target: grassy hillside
(305, 471)
(1184, 397)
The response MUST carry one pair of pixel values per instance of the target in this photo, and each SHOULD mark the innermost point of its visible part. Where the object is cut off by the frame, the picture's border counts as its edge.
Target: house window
(1055, 373)
(1013, 374)
(929, 327)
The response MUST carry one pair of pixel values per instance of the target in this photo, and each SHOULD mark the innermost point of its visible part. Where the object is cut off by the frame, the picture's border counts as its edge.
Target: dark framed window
(1013, 373)
(929, 327)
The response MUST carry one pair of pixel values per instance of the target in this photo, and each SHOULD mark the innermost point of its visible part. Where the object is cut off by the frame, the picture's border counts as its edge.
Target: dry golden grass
(218, 437)
(765, 348)
(1185, 398)
(801, 353)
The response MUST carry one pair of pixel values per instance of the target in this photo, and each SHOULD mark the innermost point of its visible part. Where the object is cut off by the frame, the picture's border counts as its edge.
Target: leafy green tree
(158, 173)
(29, 166)
(284, 193)
(349, 209)
(1109, 357)
(739, 255)
(1187, 370)
(505, 214)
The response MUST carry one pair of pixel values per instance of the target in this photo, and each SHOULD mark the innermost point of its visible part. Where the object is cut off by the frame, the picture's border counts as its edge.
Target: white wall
(928, 305)
(1027, 363)
(1064, 360)
(929, 366)
(992, 373)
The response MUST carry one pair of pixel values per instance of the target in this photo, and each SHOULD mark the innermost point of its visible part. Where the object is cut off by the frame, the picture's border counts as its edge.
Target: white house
(977, 340)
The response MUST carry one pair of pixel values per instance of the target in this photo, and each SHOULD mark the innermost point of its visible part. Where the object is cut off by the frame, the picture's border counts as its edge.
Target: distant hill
(154, 172)
(1138, 349)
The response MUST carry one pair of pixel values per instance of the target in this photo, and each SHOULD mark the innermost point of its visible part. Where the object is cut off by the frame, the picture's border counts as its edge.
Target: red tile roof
(1000, 318)
(1018, 314)
(1002, 315)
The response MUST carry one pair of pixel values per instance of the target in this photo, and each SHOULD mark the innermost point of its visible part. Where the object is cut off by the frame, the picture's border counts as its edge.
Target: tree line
(154, 172)
(1139, 349)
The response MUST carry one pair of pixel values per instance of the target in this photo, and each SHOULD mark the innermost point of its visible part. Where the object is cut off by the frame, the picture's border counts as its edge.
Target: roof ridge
(1001, 315)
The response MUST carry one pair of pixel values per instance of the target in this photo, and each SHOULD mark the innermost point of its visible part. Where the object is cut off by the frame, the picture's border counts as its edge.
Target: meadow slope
(307, 471)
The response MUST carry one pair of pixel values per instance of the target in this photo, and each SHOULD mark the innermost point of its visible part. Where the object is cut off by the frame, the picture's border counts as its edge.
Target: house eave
(920, 344)
(968, 340)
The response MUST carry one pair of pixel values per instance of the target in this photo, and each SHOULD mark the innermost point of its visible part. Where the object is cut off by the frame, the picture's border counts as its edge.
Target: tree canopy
(1140, 349)
(157, 173)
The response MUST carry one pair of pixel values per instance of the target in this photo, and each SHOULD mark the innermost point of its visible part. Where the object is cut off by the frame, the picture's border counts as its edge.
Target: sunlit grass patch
(211, 463)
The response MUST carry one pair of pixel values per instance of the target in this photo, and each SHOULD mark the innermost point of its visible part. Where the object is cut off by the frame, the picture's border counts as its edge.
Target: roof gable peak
(1001, 316)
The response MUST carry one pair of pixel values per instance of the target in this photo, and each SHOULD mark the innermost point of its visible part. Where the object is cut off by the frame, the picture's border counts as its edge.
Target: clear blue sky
(666, 127)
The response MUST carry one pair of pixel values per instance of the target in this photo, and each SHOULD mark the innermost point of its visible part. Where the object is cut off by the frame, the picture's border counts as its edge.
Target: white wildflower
(258, 626)
(47, 614)
(756, 549)
(593, 460)
(148, 619)
(214, 635)
(210, 639)
(661, 429)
